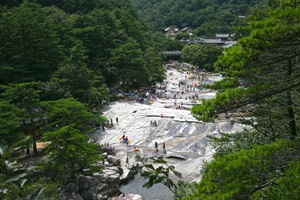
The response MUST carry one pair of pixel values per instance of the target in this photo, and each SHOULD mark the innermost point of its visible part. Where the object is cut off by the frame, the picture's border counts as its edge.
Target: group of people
(164, 147)
(125, 139)
(153, 123)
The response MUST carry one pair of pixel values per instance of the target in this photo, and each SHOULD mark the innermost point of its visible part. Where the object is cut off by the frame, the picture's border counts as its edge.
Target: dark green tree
(10, 123)
(30, 48)
(204, 56)
(11, 3)
(25, 96)
(153, 65)
(70, 152)
(82, 83)
(128, 63)
(251, 173)
(168, 44)
(64, 112)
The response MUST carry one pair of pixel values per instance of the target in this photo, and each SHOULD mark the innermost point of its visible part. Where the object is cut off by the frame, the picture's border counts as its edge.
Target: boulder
(111, 175)
(99, 186)
(109, 150)
(72, 196)
(108, 182)
(104, 154)
(111, 191)
(71, 188)
(90, 194)
(113, 160)
(87, 172)
(70, 192)
(85, 182)
(176, 156)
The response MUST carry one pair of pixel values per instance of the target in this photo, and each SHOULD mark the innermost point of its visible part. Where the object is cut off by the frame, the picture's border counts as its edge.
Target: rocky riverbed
(187, 146)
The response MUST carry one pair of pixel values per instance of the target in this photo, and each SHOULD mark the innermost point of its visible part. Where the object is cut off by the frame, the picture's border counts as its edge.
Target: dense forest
(59, 61)
(205, 17)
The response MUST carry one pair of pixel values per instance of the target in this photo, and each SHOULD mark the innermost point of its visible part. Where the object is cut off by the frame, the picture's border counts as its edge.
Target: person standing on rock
(117, 120)
(156, 147)
(111, 121)
(164, 148)
(127, 160)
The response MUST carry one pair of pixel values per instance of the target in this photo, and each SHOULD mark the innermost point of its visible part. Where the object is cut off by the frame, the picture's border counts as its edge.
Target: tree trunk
(25, 133)
(291, 115)
(34, 141)
(33, 136)
(27, 151)
(290, 110)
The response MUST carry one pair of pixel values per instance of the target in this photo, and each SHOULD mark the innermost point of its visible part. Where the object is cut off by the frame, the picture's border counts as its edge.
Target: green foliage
(49, 191)
(242, 174)
(25, 97)
(13, 176)
(10, 123)
(235, 142)
(53, 90)
(287, 186)
(86, 41)
(89, 89)
(70, 152)
(153, 65)
(162, 43)
(230, 99)
(203, 56)
(128, 62)
(68, 111)
(225, 83)
(30, 50)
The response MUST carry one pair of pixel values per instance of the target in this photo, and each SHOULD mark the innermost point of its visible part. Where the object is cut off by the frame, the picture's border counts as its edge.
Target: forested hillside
(39, 41)
(206, 17)
(58, 61)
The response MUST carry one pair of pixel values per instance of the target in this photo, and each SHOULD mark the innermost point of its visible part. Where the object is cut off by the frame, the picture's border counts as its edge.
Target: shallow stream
(156, 192)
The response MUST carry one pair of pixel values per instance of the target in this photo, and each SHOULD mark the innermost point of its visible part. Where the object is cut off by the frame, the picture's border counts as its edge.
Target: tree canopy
(251, 173)
(203, 56)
